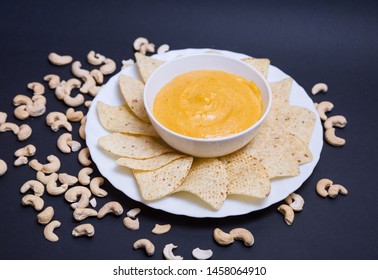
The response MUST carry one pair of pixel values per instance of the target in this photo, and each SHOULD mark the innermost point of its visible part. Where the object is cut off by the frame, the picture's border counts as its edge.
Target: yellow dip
(208, 104)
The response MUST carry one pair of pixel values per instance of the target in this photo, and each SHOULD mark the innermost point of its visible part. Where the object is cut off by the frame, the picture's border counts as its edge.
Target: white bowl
(198, 147)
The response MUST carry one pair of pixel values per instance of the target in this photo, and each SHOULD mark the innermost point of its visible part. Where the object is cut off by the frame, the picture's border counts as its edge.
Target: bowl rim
(215, 139)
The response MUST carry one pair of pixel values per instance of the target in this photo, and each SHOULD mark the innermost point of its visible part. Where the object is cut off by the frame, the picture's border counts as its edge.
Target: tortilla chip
(260, 64)
(207, 179)
(297, 120)
(120, 119)
(132, 91)
(246, 175)
(149, 164)
(281, 92)
(163, 181)
(139, 147)
(147, 65)
(277, 160)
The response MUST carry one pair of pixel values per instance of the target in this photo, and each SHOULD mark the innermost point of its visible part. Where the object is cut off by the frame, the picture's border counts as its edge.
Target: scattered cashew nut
(46, 215)
(34, 185)
(288, 213)
(82, 213)
(83, 157)
(131, 224)
(222, 238)
(94, 186)
(161, 229)
(83, 175)
(3, 167)
(139, 42)
(77, 70)
(83, 230)
(335, 189)
(113, 207)
(53, 189)
(335, 121)
(27, 151)
(25, 131)
(109, 67)
(66, 144)
(53, 165)
(243, 235)
(74, 116)
(65, 178)
(3, 117)
(295, 201)
(322, 108)
(163, 49)
(37, 88)
(53, 80)
(133, 213)
(59, 60)
(168, 254)
(319, 87)
(322, 187)
(145, 244)
(35, 201)
(200, 254)
(44, 179)
(73, 193)
(89, 82)
(48, 231)
(8, 126)
(95, 58)
(21, 160)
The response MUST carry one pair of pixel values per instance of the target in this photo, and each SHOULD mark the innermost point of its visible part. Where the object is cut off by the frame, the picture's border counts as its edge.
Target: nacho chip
(163, 181)
(139, 147)
(277, 160)
(297, 120)
(207, 179)
(149, 164)
(246, 175)
(120, 119)
(147, 65)
(132, 91)
(260, 64)
(281, 92)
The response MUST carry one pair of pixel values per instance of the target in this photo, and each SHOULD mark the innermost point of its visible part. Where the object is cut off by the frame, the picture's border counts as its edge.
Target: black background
(314, 41)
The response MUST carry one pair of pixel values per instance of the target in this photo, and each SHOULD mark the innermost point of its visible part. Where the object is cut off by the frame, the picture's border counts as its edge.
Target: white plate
(184, 203)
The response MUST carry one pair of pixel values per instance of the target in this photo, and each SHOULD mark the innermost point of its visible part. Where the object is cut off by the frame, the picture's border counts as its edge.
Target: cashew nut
(35, 185)
(145, 244)
(48, 231)
(74, 116)
(59, 124)
(163, 49)
(37, 88)
(332, 139)
(93, 91)
(34, 164)
(83, 229)
(3, 167)
(133, 213)
(322, 108)
(53, 189)
(77, 71)
(109, 67)
(200, 254)
(93, 202)
(73, 193)
(222, 238)
(53, 165)
(46, 215)
(24, 132)
(22, 100)
(27, 151)
(3, 117)
(45, 179)
(83, 122)
(95, 59)
(22, 160)
(288, 213)
(83, 157)
(8, 126)
(34, 201)
(21, 113)
(82, 203)
(83, 175)
(168, 254)
(66, 144)
(243, 235)
(147, 48)
(319, 87)
(161, 229)
(37, 107)
(127, 63)
(59, 60)
(80, 214)
(131, 224)
(65, 178)
(111, 207)
(139, 42)
(60, 90)
(295, 201)
(335, 121)
(74, 101)
(95, 187)
(335, 189)
(88, 103)
(97, 76)
(89, 82)
(70, 85)
(54, 117)
(53, 80)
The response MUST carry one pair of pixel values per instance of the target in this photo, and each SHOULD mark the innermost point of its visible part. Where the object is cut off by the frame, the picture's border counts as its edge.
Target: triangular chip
(132, 91)
(147, 65)
(297, 120)
(163, 181)
(139, 147)
(260, 64)
(281, 92)
(276, 159)
(246, 175)
(149, 164)
(208, 180)
(120, 119)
